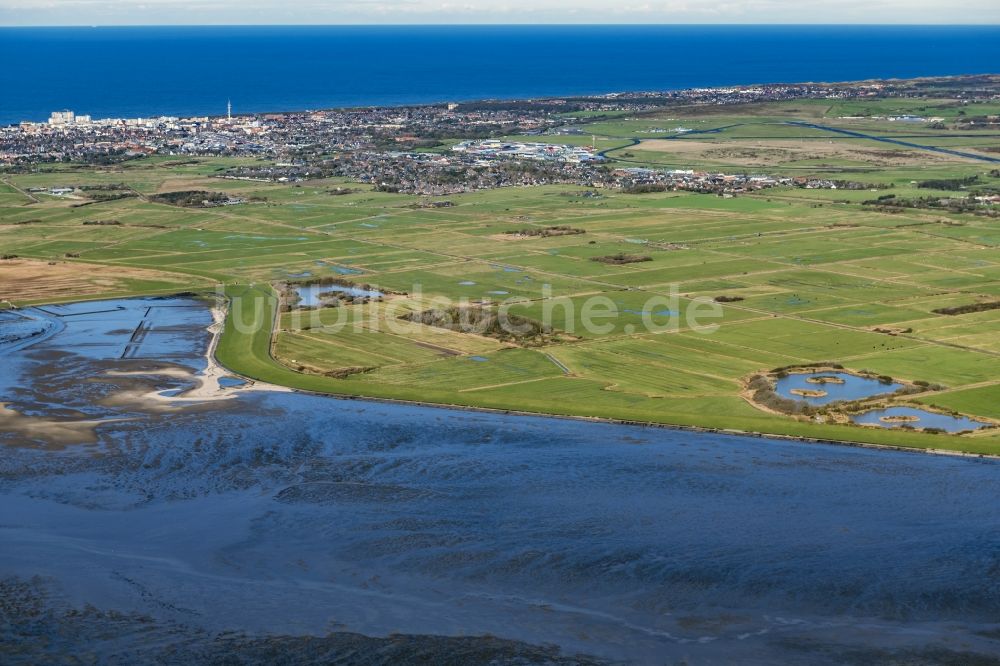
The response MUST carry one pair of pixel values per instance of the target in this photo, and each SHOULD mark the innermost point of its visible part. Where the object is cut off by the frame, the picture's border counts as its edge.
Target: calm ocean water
(141, 71)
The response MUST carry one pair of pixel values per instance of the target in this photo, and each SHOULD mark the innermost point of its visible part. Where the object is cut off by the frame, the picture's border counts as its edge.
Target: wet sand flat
(281, 524)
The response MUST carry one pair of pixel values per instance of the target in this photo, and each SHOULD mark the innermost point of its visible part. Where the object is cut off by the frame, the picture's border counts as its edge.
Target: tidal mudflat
(149, 511)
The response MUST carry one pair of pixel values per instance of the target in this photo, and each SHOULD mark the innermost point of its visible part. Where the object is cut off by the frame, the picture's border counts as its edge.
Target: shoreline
(208, 385)
(209, 389)
(646, 424)
(255, 385)
(415, 104)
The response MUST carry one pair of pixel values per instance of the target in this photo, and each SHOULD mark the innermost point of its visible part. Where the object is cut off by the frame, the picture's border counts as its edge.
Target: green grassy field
(760, 136)
(817, 274)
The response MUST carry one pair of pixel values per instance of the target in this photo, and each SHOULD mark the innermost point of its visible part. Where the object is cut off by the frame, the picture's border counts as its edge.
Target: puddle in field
(311, 295)
(657, 313)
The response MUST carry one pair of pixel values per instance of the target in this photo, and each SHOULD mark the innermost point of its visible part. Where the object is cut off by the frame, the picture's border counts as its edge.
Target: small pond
(311, 295)
(231, 382)
(844, 386)
(657, 313)
(916, 418)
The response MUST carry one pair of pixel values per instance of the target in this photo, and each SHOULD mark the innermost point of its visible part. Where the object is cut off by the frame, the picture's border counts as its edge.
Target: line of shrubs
(951, 184)
(559, 230)
(189, 198)
(622, 258)
(968, 308)
(764, 394)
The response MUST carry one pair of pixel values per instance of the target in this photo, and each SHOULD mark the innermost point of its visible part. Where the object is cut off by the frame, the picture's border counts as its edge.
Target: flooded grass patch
(325, 292)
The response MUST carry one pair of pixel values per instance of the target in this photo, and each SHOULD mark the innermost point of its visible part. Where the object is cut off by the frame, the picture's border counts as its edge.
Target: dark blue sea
(143, 71)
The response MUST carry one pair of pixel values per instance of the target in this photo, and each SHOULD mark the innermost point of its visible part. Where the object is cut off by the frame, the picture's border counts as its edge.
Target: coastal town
(472, 127)
(354, 145)
(447, 148)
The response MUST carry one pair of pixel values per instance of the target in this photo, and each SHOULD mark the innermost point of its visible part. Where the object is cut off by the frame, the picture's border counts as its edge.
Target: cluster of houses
(68, 136)
(53, 191)
(489, 149)
(228, 201)
(699, 181)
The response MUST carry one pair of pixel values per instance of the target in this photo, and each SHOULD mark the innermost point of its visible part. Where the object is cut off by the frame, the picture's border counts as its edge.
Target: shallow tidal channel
(141, 521)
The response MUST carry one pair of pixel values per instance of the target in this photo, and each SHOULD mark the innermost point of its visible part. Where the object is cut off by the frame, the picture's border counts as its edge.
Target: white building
(62, 118)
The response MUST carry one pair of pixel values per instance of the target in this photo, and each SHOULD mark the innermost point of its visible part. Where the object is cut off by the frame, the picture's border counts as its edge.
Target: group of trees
(951, 184)
(558, 230)
(968, 308)
(765, 395)
(484, 321)
(622, 258)
(890, 203)
(107, 192)
(190, 198)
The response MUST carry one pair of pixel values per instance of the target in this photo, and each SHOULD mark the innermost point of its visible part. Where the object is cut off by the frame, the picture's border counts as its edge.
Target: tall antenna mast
(229, 109)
